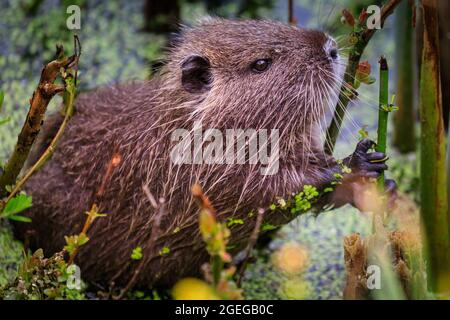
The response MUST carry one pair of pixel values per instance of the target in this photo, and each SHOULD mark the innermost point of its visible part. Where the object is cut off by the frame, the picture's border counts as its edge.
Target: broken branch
(42, 96)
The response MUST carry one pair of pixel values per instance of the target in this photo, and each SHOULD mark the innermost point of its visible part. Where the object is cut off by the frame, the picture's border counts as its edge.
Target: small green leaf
(19, 218)
(267, 227)
(282, 203)
(346, 169)
(82, 239)
(370, 80)
(393, 108)
(384, 107)
(328, 189)
(363, 134)
(4, 121)
(16, 205)
(137, 253)
(75, 241)
(337, 175)
(230, 247)
(164, 251)
(392, 99)
(232, 222)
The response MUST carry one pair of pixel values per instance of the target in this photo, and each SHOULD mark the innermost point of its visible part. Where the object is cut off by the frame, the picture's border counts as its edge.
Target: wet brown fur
(137, 120)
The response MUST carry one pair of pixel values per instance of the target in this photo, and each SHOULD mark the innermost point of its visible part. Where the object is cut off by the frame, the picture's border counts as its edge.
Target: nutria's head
(254, 74)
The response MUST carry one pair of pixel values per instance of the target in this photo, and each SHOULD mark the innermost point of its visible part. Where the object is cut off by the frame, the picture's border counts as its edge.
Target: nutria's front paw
(365, 167)
(365, 164)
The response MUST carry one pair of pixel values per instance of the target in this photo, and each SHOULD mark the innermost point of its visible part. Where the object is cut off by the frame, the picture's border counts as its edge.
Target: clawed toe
(376, 157)
(364, 145)
(362, 161)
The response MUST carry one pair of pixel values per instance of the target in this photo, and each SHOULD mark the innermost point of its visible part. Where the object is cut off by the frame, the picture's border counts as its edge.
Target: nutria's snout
(332, 62)
(331, 51)
(334, 53)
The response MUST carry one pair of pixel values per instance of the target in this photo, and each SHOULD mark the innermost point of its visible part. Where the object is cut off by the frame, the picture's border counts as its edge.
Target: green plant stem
(2, 97)
(383, 113)
(404, 138)
(434, 204)
(217, 266)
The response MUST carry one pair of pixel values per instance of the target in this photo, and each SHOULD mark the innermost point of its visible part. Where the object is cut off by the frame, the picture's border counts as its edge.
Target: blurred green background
(121, 41)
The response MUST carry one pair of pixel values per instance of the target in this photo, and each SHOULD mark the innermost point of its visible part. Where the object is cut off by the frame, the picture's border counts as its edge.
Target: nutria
(224, 74)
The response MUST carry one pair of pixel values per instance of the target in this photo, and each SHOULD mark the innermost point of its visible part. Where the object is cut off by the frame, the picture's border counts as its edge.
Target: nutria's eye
(261, 65)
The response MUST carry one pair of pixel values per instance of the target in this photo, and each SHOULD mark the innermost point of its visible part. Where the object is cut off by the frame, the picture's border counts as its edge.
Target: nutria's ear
(196, 74)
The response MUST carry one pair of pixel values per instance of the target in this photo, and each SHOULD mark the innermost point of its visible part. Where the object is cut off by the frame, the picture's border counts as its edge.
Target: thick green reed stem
(433, 193)
(404, 138)
(383, 113)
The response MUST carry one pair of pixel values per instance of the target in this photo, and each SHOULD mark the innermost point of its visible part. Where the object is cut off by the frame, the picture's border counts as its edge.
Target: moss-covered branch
(44, 92)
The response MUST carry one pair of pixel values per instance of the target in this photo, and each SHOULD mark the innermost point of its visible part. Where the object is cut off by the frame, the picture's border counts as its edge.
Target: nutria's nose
(334, 53)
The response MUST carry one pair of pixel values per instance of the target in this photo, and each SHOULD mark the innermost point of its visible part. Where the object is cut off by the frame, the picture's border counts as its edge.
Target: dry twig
(93, 213)
(44, 92)
(251, 244)
(291, 18)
